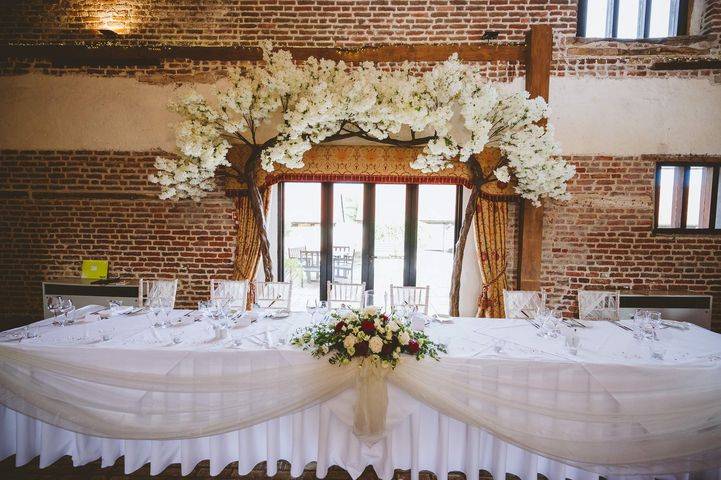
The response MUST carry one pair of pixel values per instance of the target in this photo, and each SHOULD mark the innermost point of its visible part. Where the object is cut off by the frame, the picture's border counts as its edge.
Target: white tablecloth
(419, 438)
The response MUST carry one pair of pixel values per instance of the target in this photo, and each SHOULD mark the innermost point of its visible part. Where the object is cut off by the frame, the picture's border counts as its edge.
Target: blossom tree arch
(279, 109)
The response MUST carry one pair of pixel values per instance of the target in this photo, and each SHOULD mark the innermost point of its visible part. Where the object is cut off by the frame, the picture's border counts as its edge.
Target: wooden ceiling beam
(538, 75)
(76, 55)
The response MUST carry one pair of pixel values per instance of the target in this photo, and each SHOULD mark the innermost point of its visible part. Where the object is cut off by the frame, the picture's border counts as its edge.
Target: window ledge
(685, 231)
(616, 47)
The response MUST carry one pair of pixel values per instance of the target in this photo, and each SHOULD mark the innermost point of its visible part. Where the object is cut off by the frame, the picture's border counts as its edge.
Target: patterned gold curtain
(247, 242)
(491, 221)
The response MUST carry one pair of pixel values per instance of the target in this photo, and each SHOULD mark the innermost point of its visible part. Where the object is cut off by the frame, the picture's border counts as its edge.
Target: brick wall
(602, 238)
(57, 208)
(339, 23)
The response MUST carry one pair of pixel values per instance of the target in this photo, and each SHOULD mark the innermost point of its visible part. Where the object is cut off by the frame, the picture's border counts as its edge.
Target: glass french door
(389, 255)
(379, 234)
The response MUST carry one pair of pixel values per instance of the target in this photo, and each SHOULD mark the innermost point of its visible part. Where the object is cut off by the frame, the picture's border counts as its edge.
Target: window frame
(410, 243)
(715, 187)
(679, 23)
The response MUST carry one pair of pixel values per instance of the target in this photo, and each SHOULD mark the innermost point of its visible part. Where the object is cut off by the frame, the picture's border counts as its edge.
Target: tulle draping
(611, 419)
(162, 394)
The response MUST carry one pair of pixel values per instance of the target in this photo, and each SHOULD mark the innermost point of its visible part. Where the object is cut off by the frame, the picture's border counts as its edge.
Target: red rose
(387, 349)
(413, 346)
(384, 317)
(340, 326)
(361, 349)
(368, 326)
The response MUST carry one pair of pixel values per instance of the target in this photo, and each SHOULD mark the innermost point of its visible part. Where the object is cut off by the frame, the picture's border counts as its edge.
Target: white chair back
(274, 295)
(523, 303)
(234, 290)
(598, 305)
(410, 296)
(149, 289)
(349, 294)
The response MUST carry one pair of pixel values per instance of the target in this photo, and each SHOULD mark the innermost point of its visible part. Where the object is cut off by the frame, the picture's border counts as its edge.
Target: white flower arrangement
(322, 100)
(366, 333)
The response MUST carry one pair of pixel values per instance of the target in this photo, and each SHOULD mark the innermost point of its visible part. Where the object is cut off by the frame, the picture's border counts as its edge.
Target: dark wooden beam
(103, 54)
(696, 64)
(539, 46)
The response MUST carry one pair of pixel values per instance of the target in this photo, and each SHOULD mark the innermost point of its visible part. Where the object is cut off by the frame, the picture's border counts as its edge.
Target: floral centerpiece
(366, 333)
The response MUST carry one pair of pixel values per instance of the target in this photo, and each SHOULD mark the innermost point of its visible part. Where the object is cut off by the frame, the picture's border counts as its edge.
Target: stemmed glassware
(646, 326)
(311, 305)
(323, 310)
(68, 312)
(166, 306)
(549, 322)
(55, 304)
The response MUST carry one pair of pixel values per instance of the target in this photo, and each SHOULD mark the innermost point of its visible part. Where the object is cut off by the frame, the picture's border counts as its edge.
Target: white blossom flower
(452, 104)
(392, 326)
(369, 311)
(404, 338)
(375, 344)
(502, 174)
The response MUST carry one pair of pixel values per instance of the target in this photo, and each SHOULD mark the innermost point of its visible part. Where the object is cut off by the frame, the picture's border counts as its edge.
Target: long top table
(503, 400)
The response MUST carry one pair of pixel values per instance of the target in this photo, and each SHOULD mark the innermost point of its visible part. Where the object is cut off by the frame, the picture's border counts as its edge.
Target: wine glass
(323, 310)
(67, 310)
(311, 305)
(156, 308)
(166, 306)
(55, 303)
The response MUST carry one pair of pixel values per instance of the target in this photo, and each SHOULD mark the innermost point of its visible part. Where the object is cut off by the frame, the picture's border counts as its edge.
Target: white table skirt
(419, 437)
(425, 440)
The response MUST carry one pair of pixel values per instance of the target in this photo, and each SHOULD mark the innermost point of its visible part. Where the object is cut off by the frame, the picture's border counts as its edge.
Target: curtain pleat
(491, 220)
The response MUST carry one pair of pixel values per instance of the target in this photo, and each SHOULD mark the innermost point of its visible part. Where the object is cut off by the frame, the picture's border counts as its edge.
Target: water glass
(311, 305)
(30, 332)
(115, 305)
(204, 307)
(639, 320)
(369, 299)
(657, 350)
(322, 310)
(572, 341)
(498, 345)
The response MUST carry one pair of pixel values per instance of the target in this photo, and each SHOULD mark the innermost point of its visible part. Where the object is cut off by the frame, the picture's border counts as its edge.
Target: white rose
(404, 338)
(369, 311)
(375, 344)
(392, 326)
(350, 317)
(349, 341)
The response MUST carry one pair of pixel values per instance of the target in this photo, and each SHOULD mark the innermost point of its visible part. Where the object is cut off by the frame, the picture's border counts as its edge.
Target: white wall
(591, 115)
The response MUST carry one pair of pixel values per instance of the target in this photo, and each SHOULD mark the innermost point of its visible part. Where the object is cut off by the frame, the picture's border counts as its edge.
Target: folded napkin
(111, 312)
